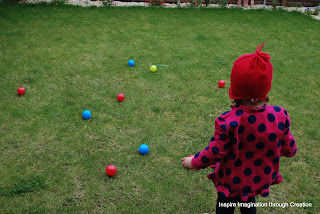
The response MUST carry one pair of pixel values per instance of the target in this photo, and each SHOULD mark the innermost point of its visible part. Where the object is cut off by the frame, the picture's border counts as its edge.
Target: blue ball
(143, 149)
(86, 114)
(131, 63)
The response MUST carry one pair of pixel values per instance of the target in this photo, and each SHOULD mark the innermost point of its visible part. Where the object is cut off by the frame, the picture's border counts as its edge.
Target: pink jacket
(245, 150)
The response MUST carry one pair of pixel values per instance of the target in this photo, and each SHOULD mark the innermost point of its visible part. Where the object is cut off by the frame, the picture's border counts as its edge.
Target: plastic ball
(111, 170)
(221, 83)
(153, 68)
(21, 90)
(86, 114)
(143, 149)
(120, 97)
(131, 63)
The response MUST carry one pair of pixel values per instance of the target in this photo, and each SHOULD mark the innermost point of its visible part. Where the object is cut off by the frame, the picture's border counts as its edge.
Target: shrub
(108, 2)
(156, 3)
(274, 4)
(59, 1)
(316, 11)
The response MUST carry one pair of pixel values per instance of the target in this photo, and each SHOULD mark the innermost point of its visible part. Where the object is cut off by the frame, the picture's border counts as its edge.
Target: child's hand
(186, 162)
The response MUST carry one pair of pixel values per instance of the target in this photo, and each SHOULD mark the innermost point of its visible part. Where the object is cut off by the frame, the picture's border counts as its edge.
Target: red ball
(111, 170)
(21, 90)
(120, 97)
(221, 83)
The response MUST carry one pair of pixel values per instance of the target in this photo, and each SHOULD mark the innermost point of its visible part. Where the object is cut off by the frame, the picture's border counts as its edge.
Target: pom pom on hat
(251, 76)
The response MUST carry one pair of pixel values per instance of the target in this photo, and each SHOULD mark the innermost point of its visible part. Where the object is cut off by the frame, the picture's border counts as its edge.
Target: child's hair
(250, 102)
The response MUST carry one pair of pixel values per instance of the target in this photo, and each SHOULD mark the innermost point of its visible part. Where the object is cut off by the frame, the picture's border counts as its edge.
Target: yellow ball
(153, 68)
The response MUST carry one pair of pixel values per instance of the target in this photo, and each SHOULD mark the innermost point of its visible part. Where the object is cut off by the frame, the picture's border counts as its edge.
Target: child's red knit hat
(251, 76)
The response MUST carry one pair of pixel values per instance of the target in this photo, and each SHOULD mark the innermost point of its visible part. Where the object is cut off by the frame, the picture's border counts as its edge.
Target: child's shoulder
(237, 111)
(276, 109)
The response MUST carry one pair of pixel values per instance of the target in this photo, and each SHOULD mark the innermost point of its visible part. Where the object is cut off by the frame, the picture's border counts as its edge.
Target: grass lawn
(71, 59)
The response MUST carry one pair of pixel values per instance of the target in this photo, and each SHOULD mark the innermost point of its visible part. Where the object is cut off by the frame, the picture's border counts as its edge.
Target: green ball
(153, 68)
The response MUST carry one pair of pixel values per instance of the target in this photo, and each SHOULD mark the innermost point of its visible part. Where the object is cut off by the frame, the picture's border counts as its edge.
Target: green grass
(70, 59)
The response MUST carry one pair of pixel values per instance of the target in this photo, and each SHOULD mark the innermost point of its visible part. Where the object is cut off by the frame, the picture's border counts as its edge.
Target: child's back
(249, 141)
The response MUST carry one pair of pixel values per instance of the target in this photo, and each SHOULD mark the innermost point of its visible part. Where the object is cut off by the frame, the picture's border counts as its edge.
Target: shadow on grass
(23, 185)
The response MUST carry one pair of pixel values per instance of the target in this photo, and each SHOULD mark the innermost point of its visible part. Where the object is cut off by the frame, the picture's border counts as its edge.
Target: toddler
(249, 139)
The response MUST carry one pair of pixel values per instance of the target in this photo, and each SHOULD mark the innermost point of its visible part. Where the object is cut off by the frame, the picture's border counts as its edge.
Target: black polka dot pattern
(260, 145)
(222, 193)
(292, 143)
(269, 153)
(241, 129)
(220, 174)
(205, 159)
(257, 162)
(262, 128)
(223, 127)
(215, 150)
(239, 112)
(232, 155)
(251, 137)
(247, 172)
(271, 117)
(240, 146)
(256, 179)
(274, 175)
(238, 163)
(280, 142)
(233, 124)
(225, 112)
(197, 155)
(276, 160)
(281, 126)
(267, 170)
(287, 125)
(266, 186)
(272, 136)
(234, 141)
(228, 171)
(227, 186)
(276, 109)
(252, 119)
(287, 132)
(236, 180)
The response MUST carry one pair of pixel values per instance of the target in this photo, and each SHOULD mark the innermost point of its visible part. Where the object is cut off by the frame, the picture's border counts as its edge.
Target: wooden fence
(306, 3)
